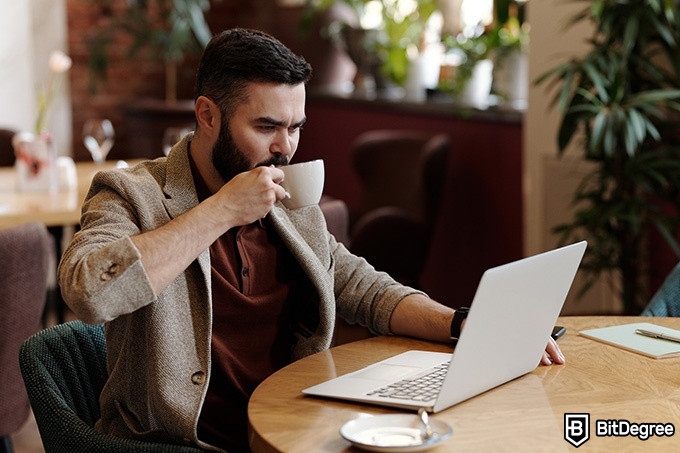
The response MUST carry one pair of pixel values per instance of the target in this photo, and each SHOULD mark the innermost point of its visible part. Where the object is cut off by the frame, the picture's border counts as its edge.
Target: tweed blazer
(158, 346)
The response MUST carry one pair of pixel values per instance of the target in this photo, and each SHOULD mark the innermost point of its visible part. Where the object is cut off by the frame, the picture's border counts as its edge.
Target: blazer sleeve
(100, 273)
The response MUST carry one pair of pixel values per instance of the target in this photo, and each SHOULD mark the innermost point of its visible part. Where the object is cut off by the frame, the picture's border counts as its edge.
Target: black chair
(64, 370)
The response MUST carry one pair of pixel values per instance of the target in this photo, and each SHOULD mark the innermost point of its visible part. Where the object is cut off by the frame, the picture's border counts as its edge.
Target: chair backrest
(337, 218)
(64, 369)
(402, 176)
(6, 148)
(25, 254)
(666, 301)
(400, 168)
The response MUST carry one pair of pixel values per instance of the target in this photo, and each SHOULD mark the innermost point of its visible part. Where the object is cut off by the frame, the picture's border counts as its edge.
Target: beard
(229, 160)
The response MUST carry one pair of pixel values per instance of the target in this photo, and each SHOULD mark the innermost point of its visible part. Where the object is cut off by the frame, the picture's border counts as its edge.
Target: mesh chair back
(666, 301)
(64, 369)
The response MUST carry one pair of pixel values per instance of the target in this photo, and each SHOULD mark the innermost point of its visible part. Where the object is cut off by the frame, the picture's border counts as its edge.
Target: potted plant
(490, 56)
(510, 37)
(168, 29)
(473, 76)
(618, 102)
(402, 24)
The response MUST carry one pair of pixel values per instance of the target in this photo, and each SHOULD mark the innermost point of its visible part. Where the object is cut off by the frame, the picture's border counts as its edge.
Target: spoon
(429, 434)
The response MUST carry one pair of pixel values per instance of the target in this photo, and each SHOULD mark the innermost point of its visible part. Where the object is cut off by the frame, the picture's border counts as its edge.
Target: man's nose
(283, 144)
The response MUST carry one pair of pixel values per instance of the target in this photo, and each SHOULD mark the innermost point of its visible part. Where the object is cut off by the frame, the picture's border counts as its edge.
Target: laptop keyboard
(422, 387)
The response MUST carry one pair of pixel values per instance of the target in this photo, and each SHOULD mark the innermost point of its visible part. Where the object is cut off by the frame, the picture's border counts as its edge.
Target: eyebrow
(273, 122)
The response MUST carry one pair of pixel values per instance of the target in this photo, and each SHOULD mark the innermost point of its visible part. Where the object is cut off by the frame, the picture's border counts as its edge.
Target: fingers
(552, 354)
(250, 195)
(276, 176)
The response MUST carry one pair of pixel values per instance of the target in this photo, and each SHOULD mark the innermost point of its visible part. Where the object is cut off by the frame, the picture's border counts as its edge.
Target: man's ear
(207, 116)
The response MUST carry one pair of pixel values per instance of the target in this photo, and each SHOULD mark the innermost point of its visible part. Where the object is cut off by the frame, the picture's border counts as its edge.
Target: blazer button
(198, 378)
(110, 272)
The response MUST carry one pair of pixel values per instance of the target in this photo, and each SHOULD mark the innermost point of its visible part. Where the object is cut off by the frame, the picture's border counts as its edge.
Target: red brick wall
(143, 76)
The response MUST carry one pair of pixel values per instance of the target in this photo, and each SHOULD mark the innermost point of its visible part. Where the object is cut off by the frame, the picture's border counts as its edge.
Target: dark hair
(238, 56)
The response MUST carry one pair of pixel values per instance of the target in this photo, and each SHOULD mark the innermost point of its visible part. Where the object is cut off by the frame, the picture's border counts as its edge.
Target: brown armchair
(25, 254)
(402, 176)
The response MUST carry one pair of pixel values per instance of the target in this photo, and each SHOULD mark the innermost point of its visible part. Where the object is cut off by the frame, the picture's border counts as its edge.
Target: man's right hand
(250, 196)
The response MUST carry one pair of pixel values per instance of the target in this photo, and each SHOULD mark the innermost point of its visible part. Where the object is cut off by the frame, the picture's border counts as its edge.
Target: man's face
(264, 130)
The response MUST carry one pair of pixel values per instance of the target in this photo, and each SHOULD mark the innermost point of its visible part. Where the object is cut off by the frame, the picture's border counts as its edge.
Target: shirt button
(244, 272)
(198, 378)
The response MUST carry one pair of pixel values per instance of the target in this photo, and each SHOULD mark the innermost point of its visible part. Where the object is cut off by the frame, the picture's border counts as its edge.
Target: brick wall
(143, 76)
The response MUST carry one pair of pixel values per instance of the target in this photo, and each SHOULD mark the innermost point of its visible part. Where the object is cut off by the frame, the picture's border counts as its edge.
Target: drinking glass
(98, 136)
(173, 135)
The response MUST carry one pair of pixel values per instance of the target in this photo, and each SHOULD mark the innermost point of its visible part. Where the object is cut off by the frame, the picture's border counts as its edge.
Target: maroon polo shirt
(255, 283)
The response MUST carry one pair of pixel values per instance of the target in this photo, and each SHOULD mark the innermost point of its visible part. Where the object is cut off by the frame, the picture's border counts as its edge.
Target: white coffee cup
(304, 183)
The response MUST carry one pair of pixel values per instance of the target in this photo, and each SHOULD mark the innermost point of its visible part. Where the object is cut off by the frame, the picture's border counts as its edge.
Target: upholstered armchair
(26, 252)
(402, 175)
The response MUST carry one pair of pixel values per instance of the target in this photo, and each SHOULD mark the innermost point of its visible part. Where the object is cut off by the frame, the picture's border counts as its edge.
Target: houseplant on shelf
(492, 53)
(401, 26)
(511, 62)
(169, 29)
(620, 99)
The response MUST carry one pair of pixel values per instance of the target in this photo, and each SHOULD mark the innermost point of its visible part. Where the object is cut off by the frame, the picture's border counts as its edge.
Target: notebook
(624, 337)
(511, 317)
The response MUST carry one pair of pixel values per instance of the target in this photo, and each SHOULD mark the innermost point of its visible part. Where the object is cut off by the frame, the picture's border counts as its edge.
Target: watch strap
(458, 317)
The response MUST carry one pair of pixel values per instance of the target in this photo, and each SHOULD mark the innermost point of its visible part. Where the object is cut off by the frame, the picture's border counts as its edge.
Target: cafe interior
(433, 175)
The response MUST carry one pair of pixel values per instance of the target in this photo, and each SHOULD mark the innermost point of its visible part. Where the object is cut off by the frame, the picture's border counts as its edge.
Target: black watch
(458, 317)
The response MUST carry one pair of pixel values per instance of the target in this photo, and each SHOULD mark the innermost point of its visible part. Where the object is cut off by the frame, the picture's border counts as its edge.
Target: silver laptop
(510, 320)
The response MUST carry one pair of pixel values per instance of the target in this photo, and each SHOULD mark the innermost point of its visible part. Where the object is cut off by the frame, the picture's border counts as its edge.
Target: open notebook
(510, 320)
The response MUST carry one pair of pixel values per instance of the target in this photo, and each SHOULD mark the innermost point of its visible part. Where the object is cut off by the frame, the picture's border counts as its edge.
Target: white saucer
(393, 433)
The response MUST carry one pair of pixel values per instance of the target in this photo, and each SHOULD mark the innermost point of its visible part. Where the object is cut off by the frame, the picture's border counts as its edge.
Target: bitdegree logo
(624, 428)
(577, 429)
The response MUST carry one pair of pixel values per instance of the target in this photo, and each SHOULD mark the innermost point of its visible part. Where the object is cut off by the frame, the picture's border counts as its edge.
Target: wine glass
(98, 136)
(173, 135)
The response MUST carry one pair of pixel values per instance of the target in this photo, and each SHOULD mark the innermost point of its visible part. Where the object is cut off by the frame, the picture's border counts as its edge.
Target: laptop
(511, 318)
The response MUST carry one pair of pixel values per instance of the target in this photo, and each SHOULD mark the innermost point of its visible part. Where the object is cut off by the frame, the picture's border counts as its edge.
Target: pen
(659, 335)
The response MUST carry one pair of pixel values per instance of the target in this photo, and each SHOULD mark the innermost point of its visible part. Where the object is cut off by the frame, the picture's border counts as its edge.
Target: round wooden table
(526, 414)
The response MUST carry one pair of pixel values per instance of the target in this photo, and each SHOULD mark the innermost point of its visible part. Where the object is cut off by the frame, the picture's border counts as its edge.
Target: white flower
(59, 62)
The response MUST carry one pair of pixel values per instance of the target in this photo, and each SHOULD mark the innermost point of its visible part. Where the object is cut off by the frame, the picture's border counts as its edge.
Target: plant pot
(511, 75)
(478, 88)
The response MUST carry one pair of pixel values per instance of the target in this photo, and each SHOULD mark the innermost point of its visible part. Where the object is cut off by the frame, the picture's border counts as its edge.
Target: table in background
(526, 414)
(54, 209)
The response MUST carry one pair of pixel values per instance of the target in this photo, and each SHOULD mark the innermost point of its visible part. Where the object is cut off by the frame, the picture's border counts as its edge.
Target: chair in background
(64, 369)
(337, 218)
(6, 148)
(666, 301)
(402, 177)
(25, 253)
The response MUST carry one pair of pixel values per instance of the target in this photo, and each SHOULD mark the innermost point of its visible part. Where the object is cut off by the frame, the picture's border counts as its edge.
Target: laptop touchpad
(387, 372)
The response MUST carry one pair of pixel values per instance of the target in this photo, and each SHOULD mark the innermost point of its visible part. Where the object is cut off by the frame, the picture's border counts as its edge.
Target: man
(206, 282)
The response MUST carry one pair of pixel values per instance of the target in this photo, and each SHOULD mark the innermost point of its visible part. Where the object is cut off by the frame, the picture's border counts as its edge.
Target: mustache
(276, 160)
